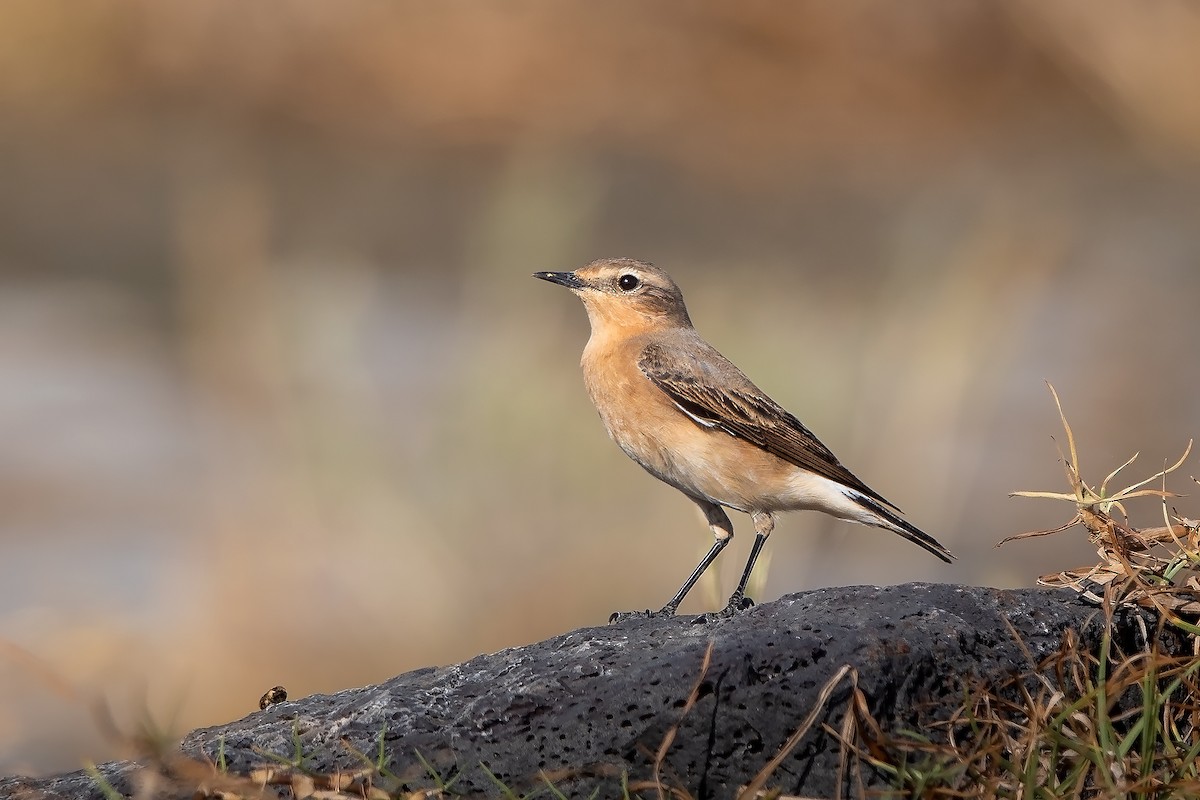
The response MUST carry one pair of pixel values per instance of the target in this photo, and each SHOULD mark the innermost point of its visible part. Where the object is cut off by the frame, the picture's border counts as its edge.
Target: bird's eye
(628, 282)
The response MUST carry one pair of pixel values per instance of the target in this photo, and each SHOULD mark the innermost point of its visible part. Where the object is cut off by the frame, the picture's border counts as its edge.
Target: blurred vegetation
(281, 404)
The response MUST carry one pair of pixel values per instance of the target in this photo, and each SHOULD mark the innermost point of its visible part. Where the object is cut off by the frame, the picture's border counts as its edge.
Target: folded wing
(741, 410)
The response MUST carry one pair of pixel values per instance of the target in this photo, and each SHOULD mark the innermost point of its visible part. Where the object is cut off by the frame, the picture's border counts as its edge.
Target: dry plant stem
(753, 789)
(669, 739)
(1103, 725)
(1084, 495)
(1157, 568)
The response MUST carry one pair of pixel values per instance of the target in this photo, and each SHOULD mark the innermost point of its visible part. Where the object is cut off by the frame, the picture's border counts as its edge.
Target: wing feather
(742, 411)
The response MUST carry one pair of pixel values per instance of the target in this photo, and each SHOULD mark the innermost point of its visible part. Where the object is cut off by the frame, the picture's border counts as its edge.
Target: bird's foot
(620, 616)
(737, 604)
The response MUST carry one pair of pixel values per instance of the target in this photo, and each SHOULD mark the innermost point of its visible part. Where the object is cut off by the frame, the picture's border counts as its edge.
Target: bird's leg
(722, 530)
(673, 604)
(764, 523)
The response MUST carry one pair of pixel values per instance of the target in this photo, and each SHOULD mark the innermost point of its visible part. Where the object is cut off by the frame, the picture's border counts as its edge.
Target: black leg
(722, 528)
(673, 604)
(764, 523)
(738, 600)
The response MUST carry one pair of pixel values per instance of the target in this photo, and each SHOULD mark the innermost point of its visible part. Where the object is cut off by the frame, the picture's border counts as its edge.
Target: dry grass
(1153, 567)
(1080, 724)
(1105, 724)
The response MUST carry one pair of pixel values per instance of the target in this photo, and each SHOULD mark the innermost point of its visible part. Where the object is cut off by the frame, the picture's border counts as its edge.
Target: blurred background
(281, 404)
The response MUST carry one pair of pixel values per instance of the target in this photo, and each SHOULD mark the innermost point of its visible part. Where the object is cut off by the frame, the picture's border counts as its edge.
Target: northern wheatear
(688, 416)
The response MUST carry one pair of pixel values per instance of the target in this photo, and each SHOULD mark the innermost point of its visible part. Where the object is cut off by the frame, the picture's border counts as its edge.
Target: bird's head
(625, 293)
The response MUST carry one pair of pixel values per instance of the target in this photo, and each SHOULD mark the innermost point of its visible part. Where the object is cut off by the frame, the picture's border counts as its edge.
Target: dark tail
(889, 520)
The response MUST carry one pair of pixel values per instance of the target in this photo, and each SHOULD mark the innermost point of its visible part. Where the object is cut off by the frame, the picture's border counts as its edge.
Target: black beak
(566, 279)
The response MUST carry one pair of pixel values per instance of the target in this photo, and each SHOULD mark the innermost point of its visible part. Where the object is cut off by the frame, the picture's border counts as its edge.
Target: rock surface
(597, 702)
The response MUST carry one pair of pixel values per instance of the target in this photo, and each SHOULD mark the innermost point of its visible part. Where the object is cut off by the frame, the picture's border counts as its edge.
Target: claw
(736, 606)
(666, 611)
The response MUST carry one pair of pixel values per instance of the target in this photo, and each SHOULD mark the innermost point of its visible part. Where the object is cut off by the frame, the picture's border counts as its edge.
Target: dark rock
(117, 774)
(597, 702)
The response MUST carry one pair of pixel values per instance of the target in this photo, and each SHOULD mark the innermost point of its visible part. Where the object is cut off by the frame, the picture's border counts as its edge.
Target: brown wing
(742, 410)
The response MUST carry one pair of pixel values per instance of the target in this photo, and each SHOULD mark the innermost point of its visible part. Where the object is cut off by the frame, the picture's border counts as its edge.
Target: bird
(692, 419)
